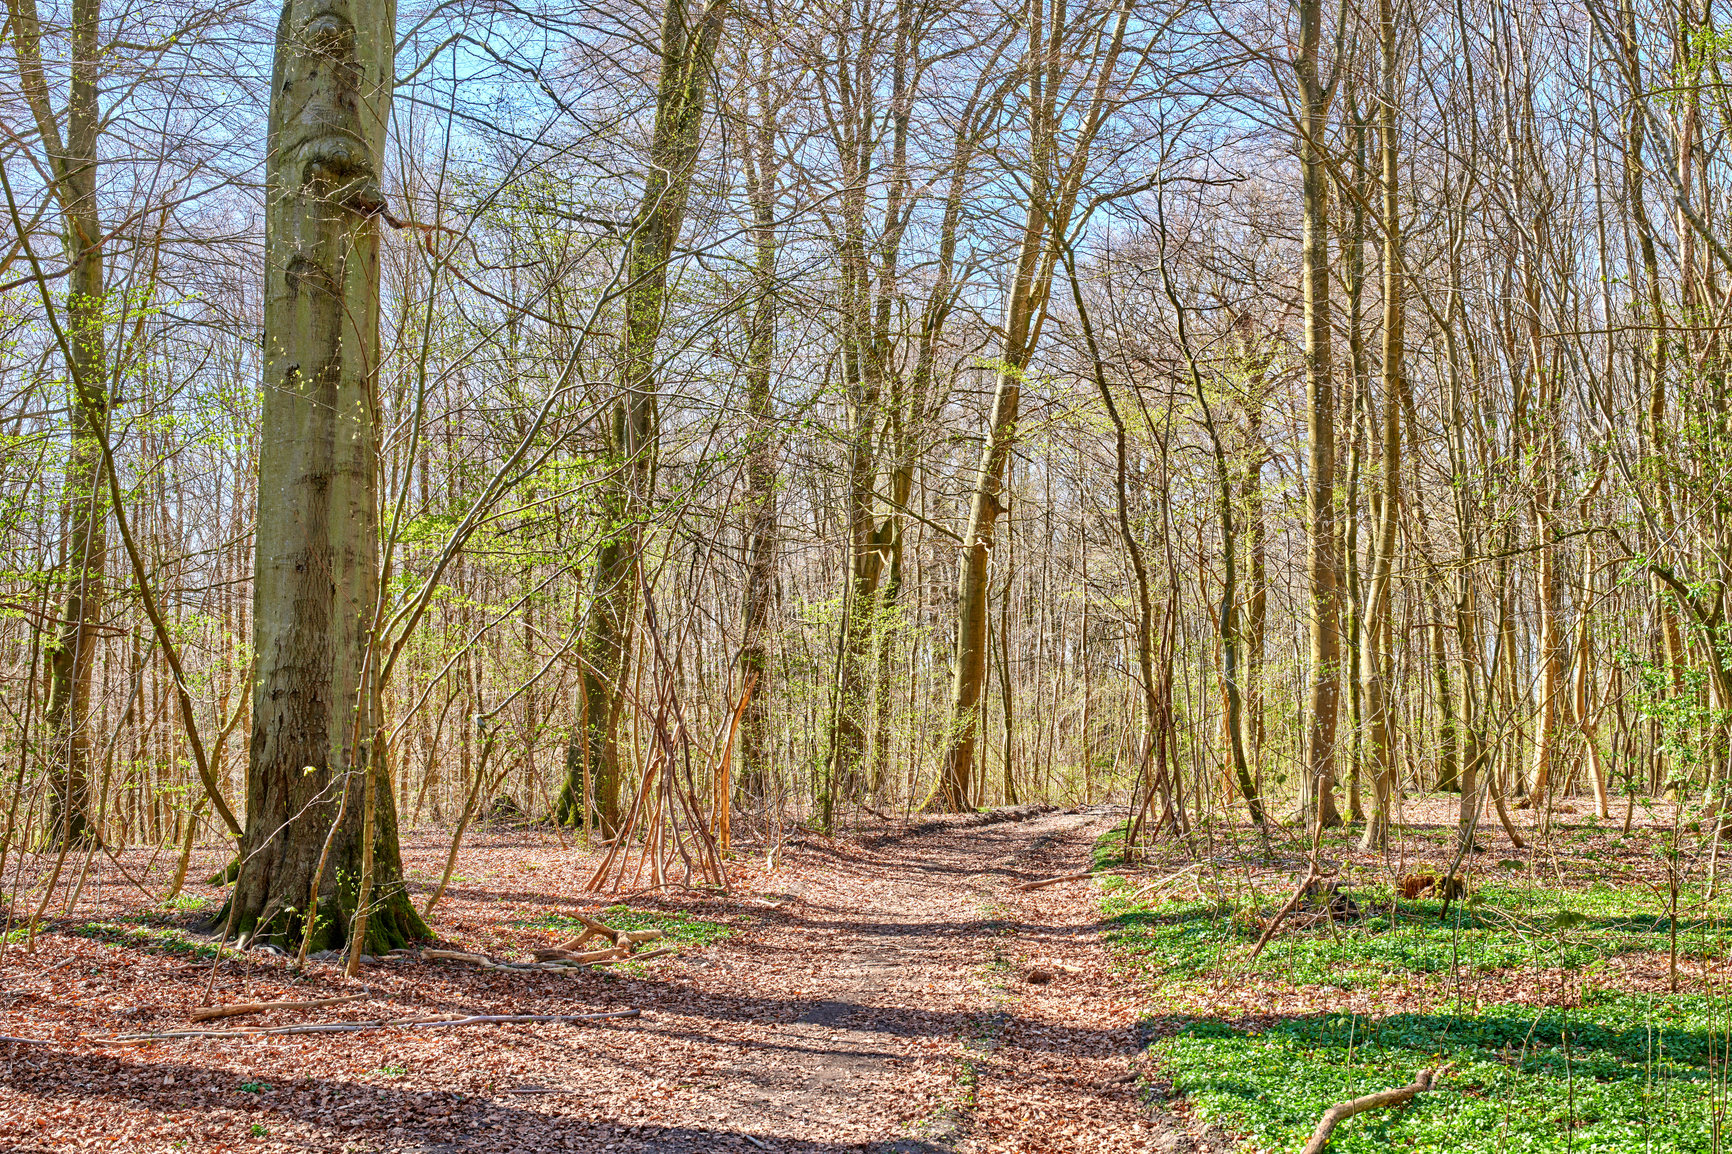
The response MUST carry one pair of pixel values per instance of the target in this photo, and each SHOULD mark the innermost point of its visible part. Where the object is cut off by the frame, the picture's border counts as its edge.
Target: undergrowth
(681, 929)
(153, 939)
(1499, 926)
(1109, 847)
(1623, 1073)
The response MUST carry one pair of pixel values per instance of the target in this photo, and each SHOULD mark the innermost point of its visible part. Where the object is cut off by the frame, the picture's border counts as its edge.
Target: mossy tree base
(280, 859)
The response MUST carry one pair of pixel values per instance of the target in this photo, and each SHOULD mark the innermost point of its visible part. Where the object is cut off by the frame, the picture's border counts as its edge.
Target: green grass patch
(1500, 926)
(186, 902)
(154, 939)
(681, 929)
(1109, 847)
(1624, 1073)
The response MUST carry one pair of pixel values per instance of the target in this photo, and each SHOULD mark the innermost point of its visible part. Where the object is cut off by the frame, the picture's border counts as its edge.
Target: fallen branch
(559, 962)
(1299, 892)
(560, 954)
(595, 929)
(1081, 875)
(1166, 881)
(1339, 1113)
(640, 957)
(376, 1024)
(207, 1013)
(1044, 882)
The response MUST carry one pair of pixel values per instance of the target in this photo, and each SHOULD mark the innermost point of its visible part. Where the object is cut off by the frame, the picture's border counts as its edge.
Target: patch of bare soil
(892, 996)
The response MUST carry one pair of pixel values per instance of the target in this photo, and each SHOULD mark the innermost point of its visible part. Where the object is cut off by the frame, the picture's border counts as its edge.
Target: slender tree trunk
(72, 165)
(1322, 560)
(761, 481)
(1055, 182)
(957, 778)
(1378, 653)
(687, 52)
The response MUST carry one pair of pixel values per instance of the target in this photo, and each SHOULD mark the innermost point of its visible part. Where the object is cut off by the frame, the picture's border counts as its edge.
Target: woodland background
(1306, 408)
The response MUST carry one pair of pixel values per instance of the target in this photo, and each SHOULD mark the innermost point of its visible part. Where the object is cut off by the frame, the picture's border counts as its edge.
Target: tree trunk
(686, 54)
(1054, 184)
(72, 164)
(315, 727)
(1377, 654)
(955, 785)
(1322, 560)
(762, 166)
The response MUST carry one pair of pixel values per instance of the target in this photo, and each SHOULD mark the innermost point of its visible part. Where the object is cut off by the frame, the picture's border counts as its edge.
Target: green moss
(152, 939)
(1623, 1073)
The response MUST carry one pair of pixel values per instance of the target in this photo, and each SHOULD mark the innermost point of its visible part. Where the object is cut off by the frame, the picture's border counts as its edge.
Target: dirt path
(918, 1029)
(877, 999)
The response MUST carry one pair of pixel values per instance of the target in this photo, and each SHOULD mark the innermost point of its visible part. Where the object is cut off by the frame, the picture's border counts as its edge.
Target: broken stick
(640, 957)
(560, 954)
(376, 1024)
(595, 929)
(1044, 882)
(457, 956)
(1339, 1113)
(207, 1013)
(1311, 876)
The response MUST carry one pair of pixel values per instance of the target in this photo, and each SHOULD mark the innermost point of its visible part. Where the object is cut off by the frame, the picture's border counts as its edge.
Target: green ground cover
(1620, 1074)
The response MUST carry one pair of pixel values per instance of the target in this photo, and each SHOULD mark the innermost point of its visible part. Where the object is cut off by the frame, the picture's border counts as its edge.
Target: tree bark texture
(316, 584)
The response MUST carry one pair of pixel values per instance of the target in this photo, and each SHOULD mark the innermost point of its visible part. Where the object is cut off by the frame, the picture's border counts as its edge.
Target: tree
(1055, 73)
(688, 47)
(72, 168)
(1322, 545)
(316, 700)
(1377, 657)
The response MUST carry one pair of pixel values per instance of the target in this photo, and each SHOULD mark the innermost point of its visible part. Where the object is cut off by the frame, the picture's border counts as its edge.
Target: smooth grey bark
(315, 700)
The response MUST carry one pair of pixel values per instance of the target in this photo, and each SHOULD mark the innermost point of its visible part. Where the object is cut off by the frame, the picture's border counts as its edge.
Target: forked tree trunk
(316, 571)
(687, 50)
(956, 785)
(1055, 182)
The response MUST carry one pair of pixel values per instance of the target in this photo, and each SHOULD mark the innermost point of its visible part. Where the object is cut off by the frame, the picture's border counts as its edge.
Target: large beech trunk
(315, 701)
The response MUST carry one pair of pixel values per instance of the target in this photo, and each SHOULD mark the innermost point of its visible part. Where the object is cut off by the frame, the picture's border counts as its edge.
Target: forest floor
(893, 991)
(867, 994)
